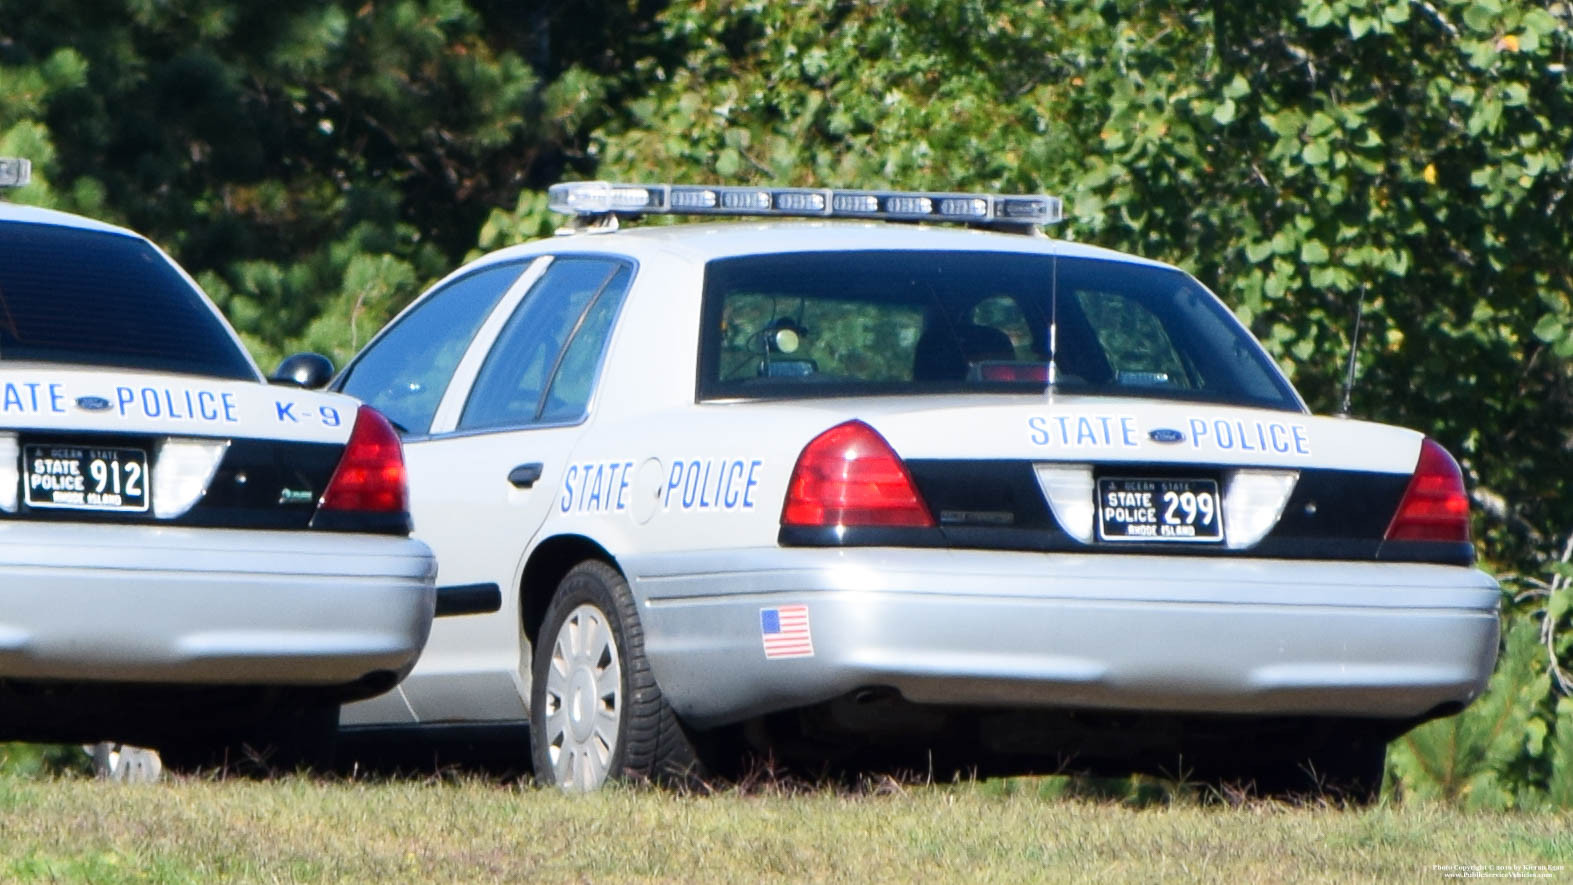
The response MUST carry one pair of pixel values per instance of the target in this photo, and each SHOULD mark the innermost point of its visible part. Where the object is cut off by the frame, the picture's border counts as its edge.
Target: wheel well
(546, 568)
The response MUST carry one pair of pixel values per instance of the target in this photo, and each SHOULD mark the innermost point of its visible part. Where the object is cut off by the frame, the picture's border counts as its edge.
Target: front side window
(529, 376)
(105, 299)
(406, 370)
(888, 322)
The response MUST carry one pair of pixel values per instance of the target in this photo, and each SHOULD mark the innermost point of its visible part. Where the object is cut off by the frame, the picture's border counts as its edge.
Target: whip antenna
(1054, 318)
(1354, 354)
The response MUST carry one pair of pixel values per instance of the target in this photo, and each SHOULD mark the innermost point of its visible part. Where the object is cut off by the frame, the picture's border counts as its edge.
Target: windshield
(103, 299)
(889, 322)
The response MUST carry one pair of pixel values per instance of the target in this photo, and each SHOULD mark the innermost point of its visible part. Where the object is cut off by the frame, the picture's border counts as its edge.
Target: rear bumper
(1238, 636)
(86, 603)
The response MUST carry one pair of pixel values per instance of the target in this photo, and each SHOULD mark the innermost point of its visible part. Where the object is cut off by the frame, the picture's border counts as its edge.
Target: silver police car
(903, 482)
(190, 558)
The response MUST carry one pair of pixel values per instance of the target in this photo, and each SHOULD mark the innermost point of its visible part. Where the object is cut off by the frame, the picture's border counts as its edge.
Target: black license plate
(1159, 510)
(73, 477)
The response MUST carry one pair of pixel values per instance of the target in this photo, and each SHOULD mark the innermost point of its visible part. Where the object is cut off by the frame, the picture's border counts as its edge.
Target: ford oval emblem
(1165, 435)
(92, 403)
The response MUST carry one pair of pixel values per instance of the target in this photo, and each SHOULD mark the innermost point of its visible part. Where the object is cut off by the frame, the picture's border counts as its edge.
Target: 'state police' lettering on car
(32, 397)
(135, 402)
(596, 487)
(712, 484)
(1122, 432)
(599, 487)
(176, 405)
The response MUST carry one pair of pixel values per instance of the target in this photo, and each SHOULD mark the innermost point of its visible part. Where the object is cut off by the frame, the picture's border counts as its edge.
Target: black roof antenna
(1054, 317)
(1354, 353)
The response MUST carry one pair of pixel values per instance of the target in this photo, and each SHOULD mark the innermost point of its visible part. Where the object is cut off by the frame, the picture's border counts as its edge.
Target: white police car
(189, 558)
(866, 492)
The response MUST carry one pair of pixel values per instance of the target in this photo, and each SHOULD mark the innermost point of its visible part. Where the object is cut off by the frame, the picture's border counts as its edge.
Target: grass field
(472, 829)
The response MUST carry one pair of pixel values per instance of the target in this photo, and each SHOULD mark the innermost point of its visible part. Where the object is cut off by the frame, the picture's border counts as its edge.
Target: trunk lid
(94, 445)
(1102, 474)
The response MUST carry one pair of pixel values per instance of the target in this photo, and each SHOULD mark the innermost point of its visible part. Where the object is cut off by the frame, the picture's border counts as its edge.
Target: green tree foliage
(920, 93)
(312, 163)
(1483, 757)
(38, 760)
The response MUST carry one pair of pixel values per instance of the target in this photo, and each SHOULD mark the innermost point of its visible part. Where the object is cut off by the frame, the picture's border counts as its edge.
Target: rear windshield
(880, 323)
(105, 299)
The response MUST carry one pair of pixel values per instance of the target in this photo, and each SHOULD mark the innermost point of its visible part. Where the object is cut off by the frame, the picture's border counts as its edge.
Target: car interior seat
(944, 352)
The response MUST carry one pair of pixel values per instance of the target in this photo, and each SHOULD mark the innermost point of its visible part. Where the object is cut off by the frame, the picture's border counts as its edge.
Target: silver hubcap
(119, 762)
(584, 697)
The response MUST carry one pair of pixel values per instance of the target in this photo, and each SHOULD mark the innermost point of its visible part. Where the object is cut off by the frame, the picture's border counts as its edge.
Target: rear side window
(883, 323)
(104, 299)
(568, 399)
(529, 377)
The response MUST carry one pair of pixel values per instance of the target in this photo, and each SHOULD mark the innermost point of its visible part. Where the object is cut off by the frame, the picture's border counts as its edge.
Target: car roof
(704, 242)
(36, 215)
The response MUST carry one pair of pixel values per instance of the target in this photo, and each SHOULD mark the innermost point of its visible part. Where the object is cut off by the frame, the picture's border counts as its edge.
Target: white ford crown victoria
(862, 492)
(189, 558)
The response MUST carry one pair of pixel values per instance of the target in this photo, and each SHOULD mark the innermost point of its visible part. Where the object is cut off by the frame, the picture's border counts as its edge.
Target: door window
(405, 371)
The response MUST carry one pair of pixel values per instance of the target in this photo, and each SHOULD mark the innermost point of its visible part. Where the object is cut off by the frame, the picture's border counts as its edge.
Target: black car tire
(596, 713)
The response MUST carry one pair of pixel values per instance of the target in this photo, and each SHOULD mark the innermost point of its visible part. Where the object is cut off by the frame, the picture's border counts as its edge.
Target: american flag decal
(786, 633)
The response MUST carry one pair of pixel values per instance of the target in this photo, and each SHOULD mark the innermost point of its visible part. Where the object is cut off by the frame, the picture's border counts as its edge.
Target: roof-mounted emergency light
(15, 172)
(593, 200)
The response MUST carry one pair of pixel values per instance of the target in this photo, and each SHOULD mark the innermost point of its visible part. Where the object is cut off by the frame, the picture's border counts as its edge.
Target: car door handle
(525, 475)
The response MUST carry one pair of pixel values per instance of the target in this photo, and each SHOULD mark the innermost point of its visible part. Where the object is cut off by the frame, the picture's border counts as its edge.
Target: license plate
(73, 477)
(1159, 510)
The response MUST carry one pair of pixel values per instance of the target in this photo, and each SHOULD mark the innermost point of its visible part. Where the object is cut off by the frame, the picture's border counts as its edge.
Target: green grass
(70, 828)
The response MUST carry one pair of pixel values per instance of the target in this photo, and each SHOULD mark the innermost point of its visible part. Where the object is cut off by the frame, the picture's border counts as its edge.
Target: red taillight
(849, 476)
(1435, 506)
(370, 475)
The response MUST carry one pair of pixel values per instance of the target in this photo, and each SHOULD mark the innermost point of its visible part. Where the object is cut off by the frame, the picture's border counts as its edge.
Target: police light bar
(600, 198)
(15, 172)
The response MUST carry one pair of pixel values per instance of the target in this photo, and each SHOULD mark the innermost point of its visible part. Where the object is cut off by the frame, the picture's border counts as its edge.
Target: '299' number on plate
(85, 477)
(1159, 510)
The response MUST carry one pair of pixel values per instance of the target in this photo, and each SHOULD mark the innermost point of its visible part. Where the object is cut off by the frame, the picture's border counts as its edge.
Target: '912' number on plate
(85, 477)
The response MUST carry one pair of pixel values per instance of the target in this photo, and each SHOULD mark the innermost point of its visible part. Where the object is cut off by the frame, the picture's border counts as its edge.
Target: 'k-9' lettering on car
(858, 491)
(190, 558)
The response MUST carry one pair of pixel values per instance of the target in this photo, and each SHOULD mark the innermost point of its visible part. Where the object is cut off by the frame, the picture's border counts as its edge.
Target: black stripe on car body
(999, 505)
(260, 484)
